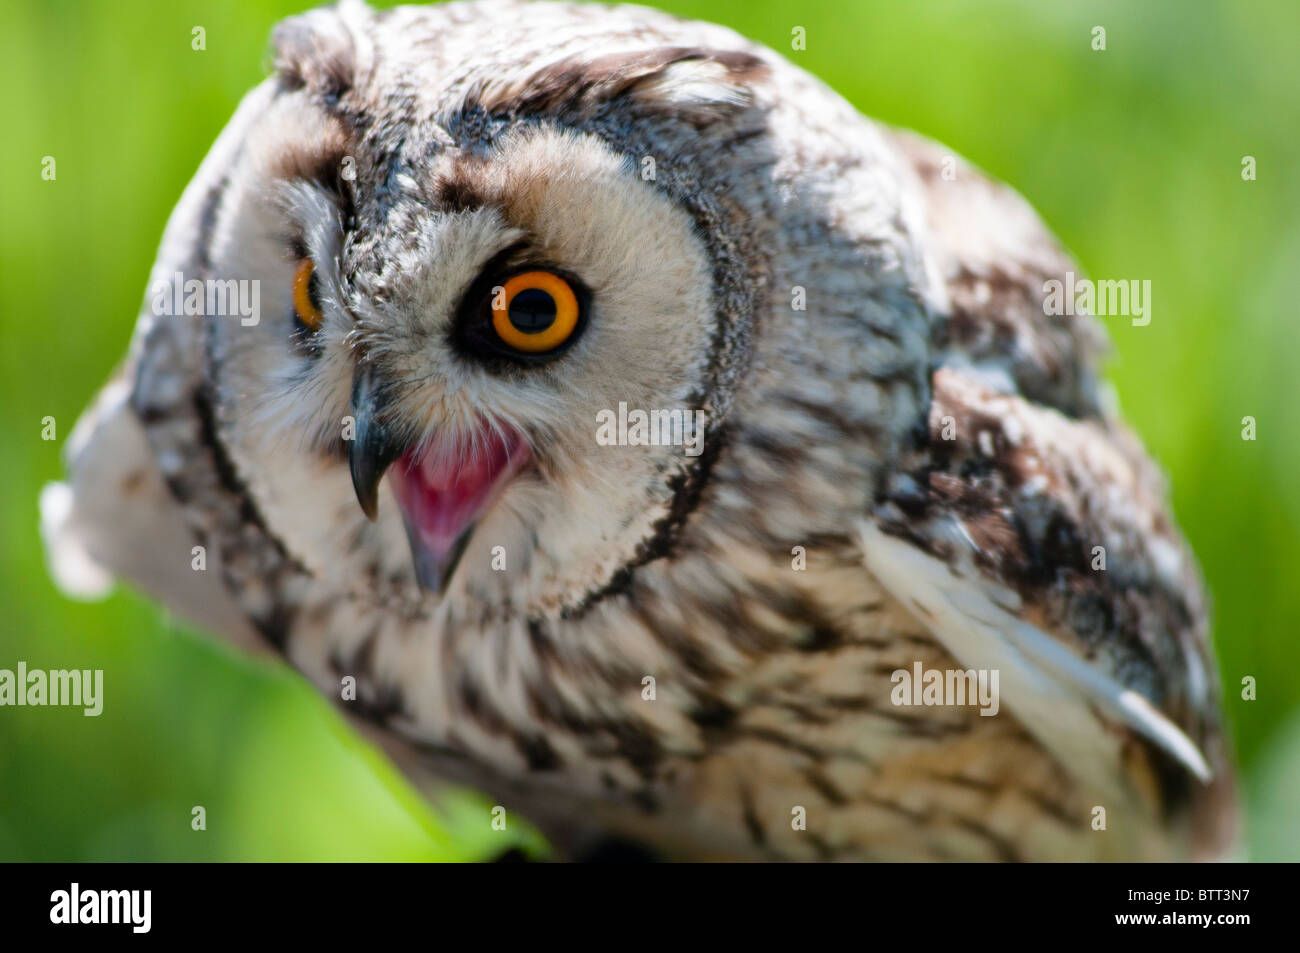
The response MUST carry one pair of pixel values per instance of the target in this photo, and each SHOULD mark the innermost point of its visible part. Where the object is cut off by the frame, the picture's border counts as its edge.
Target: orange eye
(304, 301)
(534, 312)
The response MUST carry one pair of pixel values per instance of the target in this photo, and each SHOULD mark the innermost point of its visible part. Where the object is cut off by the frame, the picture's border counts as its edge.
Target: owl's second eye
(305, 304)
(534, 312)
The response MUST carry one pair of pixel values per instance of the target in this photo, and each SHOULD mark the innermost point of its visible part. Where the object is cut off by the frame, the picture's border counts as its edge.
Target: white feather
(74, 570)
(1057, 695)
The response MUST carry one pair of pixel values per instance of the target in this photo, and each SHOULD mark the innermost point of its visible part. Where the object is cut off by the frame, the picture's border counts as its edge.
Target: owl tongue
(443, 490)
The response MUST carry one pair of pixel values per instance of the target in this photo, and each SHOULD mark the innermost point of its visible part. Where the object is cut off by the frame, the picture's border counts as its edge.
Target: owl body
(904, 465)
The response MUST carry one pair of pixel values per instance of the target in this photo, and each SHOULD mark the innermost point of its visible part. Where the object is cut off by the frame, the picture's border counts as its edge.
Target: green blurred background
(1133, 156)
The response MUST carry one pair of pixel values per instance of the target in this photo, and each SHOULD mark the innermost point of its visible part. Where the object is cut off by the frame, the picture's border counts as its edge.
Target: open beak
(442, 486)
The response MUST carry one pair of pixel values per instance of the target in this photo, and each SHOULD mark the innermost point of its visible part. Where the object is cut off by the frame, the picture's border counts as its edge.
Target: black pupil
(532, 311)
(313, 289)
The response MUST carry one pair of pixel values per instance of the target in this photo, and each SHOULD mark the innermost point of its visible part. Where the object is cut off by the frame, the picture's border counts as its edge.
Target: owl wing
(115, 517)
(993, 254)
(1029, 531)
(117, 514)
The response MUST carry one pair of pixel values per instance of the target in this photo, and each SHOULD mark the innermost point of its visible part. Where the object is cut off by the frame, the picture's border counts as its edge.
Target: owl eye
(304, 295)
(534, 312)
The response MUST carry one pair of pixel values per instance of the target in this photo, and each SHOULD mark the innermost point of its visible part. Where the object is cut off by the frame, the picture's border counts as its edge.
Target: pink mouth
(444, 489)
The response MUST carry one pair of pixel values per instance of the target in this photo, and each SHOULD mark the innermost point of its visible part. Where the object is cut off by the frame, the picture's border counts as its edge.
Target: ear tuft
(320, 50)
(676, 77)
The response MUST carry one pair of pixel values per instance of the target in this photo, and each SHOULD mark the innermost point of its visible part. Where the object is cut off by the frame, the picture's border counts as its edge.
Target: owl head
(511, 261)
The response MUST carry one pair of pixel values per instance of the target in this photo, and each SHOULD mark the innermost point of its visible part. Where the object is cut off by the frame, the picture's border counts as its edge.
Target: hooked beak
(373, 448)
(442, 487)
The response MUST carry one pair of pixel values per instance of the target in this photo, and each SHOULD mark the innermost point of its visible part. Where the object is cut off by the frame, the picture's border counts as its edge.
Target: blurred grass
(1133, 156)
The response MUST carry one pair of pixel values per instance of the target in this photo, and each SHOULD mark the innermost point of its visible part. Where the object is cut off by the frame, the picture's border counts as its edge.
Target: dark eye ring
(526, 315)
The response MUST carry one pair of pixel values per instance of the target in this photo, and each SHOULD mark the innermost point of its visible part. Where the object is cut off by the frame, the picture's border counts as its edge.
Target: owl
(661, 447)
